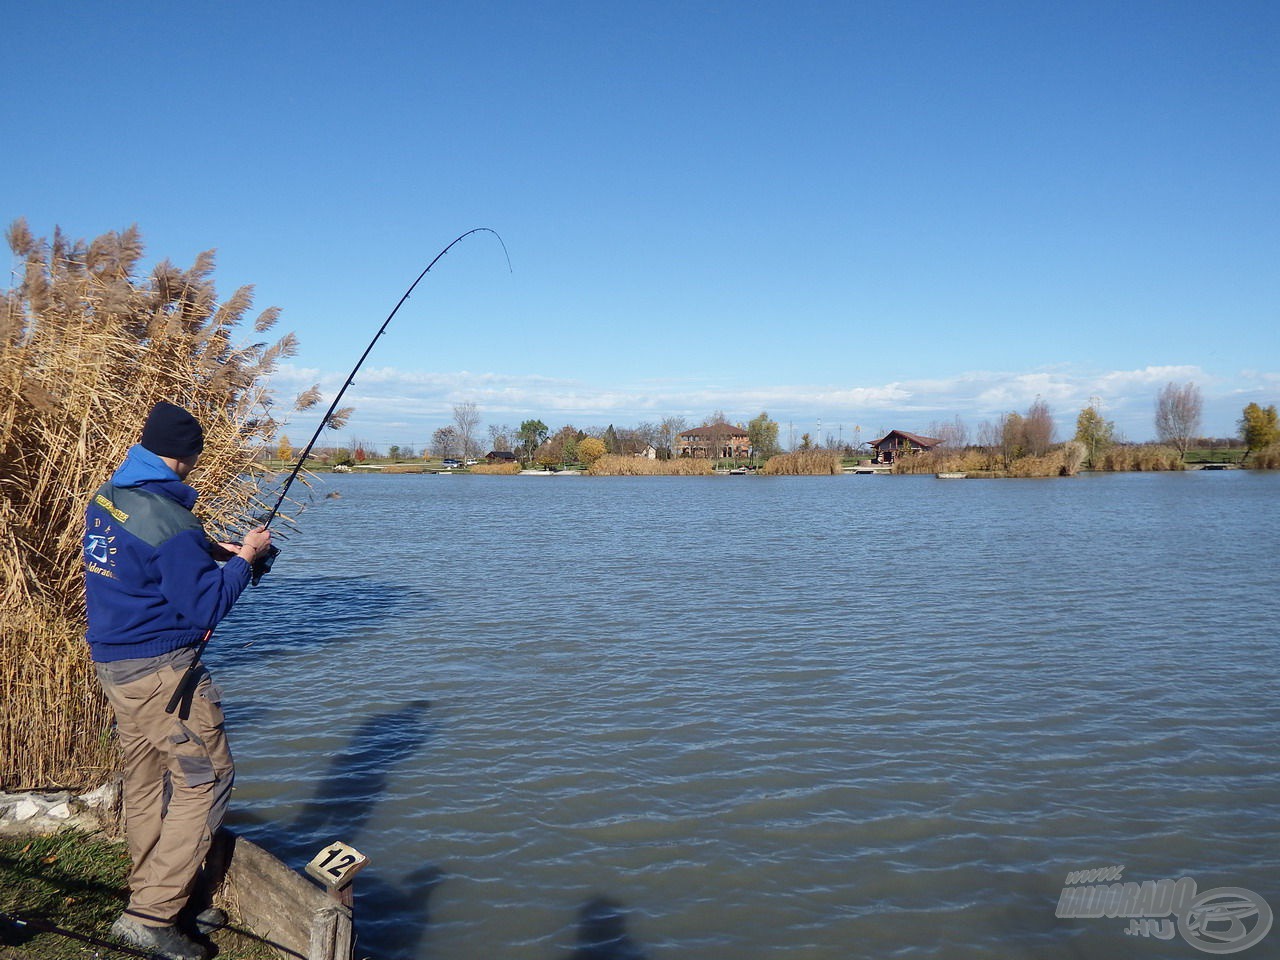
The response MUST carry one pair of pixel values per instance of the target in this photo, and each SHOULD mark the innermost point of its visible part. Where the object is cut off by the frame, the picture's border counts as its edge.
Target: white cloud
(413, 403)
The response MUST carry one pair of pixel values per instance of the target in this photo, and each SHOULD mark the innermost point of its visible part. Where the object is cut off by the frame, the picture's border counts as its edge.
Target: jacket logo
(111, 508)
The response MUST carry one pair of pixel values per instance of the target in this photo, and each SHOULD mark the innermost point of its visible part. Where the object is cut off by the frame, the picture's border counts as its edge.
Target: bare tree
(1178, 411)
(668, 430)
(466, 418)
(953, 433)
(444, 442)
(1038, 428)
(500, 437)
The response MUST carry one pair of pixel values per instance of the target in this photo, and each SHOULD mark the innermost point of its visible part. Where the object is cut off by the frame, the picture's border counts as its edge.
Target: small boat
(950, 476)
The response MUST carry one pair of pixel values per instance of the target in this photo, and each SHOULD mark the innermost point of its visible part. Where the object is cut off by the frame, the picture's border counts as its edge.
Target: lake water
(765, 718)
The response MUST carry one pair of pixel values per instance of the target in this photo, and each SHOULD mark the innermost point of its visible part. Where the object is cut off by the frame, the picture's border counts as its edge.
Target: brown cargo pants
(177, 784)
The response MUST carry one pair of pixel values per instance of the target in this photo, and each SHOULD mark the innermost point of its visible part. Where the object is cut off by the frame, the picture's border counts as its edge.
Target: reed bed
(806, 463)
(968, 460)
(496, 469)
(1139, 458)
(86, 348)
(1062, 461)
(614, 465)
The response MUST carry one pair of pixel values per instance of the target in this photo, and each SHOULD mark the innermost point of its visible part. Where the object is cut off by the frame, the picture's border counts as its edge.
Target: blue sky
(866, 214)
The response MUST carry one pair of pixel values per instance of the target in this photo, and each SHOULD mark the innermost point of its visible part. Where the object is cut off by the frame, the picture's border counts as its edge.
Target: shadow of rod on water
(602, 933)
(342, 805)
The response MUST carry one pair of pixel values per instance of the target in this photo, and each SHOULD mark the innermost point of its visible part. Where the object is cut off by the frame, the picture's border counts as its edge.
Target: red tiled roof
(715, 431)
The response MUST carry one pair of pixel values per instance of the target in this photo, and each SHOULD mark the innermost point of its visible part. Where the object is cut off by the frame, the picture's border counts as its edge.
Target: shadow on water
(349, 791)
(602, 933)
(295, 614)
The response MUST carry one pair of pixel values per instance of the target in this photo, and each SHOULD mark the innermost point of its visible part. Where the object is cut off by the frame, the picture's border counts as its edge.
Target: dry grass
(496, 469)
(808, 463)
(1062, 461)
(1139, 458)
(940, 460)
(613, 465)
(86, 348)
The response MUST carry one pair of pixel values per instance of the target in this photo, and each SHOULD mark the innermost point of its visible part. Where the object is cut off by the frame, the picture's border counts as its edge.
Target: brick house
(715, 441)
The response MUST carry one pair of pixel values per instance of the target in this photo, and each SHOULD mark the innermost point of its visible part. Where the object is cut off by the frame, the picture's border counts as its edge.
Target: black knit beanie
(172, 432)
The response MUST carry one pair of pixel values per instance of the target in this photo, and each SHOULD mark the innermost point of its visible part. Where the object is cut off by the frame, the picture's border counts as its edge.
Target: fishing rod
(262, 566)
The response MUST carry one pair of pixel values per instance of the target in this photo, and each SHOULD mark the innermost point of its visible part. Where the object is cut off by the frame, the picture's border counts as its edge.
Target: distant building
(500, 456)
(714, 441)
(638, 448)
(896, 442)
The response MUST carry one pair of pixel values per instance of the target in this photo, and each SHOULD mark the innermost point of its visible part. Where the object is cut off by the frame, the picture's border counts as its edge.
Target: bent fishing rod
(182, 693)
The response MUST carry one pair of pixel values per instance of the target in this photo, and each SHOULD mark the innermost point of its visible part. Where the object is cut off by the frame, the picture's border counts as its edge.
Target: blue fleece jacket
(151, 583)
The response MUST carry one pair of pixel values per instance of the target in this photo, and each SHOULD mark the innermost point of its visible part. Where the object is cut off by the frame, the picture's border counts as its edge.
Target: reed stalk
(86, 348)
(615, 465)
(810, 463)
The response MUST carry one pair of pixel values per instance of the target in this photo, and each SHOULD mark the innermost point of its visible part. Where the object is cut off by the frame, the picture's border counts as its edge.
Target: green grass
(1221, 455)
(77, 882)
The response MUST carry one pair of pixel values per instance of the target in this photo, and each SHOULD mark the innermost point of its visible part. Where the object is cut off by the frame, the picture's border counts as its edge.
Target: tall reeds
(809, 463)
(507, 469)
(86, 348)
(1064, 460)
(1140, 457)
(614, 465)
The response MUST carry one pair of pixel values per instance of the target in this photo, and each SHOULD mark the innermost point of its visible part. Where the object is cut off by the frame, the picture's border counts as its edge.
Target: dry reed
(614, 465)
(1125, 458)
(86, 348)
(809, 463)
(1062, 461)
(496, 469)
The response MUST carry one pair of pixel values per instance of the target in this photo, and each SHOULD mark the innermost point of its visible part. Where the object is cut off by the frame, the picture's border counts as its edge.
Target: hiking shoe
(211, 919)
(164, 942)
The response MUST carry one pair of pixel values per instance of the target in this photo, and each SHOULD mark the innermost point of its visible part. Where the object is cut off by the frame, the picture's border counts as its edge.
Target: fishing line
(182, 695)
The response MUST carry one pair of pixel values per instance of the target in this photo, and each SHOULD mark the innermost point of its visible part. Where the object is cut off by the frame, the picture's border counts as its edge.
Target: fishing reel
(262, 566)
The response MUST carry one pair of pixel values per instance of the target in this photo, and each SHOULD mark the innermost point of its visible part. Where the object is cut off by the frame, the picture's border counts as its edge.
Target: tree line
(1012, 436)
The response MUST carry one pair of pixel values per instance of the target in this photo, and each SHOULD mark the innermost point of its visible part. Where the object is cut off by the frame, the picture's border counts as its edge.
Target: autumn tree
(283, 449)
(1094, 432)
(1178, 411)
(1258, 427)
(1013, 437)
(590, 450)
(1038, 428)
(560, 448)
(763, 436)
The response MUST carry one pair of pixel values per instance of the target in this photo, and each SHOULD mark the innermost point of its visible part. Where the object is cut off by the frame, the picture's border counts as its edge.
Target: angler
(155, 592)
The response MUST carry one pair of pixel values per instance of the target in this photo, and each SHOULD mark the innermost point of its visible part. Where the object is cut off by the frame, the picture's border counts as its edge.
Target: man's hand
(256, 544)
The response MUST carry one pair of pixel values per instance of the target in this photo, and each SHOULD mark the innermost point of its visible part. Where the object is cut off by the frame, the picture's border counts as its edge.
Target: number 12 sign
(336, 864)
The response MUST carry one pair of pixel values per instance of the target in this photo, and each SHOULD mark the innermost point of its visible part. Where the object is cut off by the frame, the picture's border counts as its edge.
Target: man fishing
(154, 589)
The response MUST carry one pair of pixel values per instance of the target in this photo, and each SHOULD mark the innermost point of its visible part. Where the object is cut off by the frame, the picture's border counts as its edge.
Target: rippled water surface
(764, 717)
